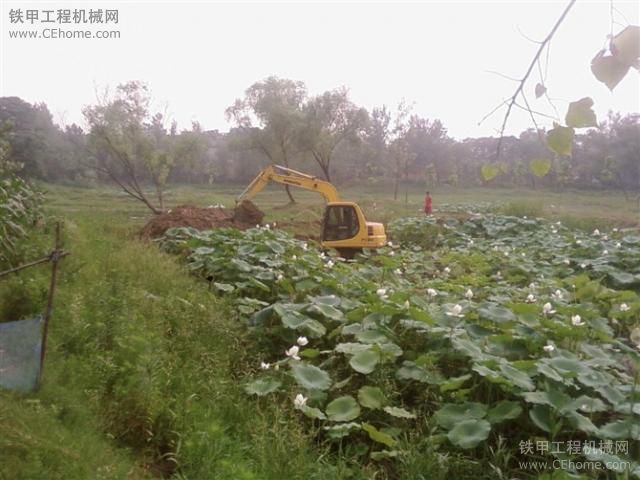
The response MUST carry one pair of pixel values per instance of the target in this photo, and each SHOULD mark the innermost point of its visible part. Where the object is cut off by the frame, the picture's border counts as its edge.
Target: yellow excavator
(343, 225)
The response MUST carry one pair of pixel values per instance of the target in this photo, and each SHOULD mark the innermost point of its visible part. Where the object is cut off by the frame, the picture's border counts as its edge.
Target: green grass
(145, 367)
(144, 377)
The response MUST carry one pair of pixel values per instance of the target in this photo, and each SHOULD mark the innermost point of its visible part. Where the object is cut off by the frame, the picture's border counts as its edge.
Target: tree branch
(528, 72)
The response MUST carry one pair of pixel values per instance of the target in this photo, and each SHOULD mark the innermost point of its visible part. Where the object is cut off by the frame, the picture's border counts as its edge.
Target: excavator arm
(287, 176)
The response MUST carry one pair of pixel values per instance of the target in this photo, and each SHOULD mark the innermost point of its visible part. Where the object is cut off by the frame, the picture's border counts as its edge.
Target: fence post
(55, 257)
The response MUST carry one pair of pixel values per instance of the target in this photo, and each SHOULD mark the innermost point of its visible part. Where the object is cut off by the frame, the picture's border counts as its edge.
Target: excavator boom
(287, 176)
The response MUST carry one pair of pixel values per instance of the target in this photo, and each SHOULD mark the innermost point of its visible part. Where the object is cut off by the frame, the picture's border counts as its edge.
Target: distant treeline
(325, 135)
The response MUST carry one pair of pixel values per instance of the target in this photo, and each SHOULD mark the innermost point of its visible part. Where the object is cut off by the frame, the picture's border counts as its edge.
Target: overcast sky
(197, 57)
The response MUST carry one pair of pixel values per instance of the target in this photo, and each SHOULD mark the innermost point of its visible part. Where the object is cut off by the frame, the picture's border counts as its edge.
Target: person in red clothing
(428, 204)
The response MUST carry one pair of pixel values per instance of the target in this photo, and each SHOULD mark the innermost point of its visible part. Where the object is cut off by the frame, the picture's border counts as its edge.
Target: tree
(329, 120)
(130, 145)
(269, 115)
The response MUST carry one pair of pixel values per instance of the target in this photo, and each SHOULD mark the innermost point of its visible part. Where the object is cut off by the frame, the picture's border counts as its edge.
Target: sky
(449, 60)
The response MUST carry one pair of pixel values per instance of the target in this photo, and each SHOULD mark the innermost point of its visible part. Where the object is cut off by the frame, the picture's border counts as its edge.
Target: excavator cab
(345, 229)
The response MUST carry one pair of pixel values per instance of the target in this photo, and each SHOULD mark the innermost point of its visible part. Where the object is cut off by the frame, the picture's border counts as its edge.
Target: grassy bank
(143, 377)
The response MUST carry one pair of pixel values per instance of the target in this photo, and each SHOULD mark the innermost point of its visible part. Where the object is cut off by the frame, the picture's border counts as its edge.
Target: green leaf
(580, 114)
(541, 417)
(262, 386)
(365, 361)
(399, 412)
(384, 454)
(608, 69)
(540, 166)
(341, 430)
(313, 412)
(469, 433)
(620, 430)
(560, 140)
(343, 409)
(371, 397)
(224, 287)
(311, 377)
(518, 377)
(540, 90)
(504, 410)
(452, 413)
(327, 311)
(489, 172)
(496, 313)
(454, 383)
(378, 436)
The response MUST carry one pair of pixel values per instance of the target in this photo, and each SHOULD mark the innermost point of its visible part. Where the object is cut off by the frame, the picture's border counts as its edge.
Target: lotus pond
(488, 331)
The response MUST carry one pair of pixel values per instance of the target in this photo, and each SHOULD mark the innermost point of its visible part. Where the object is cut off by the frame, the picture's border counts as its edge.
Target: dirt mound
(245, 215)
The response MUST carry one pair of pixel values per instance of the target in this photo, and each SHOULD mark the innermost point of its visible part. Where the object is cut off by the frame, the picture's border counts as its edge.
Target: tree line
(277, 121)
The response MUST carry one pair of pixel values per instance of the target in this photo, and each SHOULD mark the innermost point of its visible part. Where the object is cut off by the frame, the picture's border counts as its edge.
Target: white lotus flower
(578, 242)
(392, 253)
(431, 292)
(456, 311)
(583, 265)
(267, 226)
(294, 257)
(557, 295)
(397, 271)
(605, 252)
(531, 298)
(558, 222)
(532, 285)
(624, 307)
(525, 217)
(596, 232)
(279, 277)
(547, 309)
(305, 246)
(293, 352)
(381, 292)
(495, 248)
(390, 243)
(447, 270)
(523, 254)
(549, 347)
(615, 229)
(506, 254)
(468, 294)
(553, 230)
(265, 366)
(406, 304)
(618, 244)
(499, 274)
(257, 226)
(276, 366)
(322, 254)
(606, 237)
(302, 341)
(329, 264)
(300, 401)
(275, 224)
(567, 261)
(470, 242)
(576, 321)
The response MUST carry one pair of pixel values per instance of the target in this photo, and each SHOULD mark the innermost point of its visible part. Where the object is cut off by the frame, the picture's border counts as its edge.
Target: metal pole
(55, 257)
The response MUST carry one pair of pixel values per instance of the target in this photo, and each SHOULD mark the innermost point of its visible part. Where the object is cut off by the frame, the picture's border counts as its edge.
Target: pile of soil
(245, 215)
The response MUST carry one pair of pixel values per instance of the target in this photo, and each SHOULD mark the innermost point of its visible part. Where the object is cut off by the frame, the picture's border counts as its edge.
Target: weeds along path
(142, 378)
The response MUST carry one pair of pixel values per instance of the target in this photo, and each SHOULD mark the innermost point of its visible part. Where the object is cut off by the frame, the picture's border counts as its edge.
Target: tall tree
(269, 114)
(130, 144)
(329, 120)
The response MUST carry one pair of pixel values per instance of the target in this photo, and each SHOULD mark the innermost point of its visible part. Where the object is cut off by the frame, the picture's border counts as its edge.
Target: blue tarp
(20, 346)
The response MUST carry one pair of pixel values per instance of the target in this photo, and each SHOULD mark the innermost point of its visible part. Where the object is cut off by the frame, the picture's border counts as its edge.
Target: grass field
(146, 365)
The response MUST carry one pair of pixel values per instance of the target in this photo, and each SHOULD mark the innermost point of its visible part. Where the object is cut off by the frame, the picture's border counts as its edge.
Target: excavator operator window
(340, 222)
